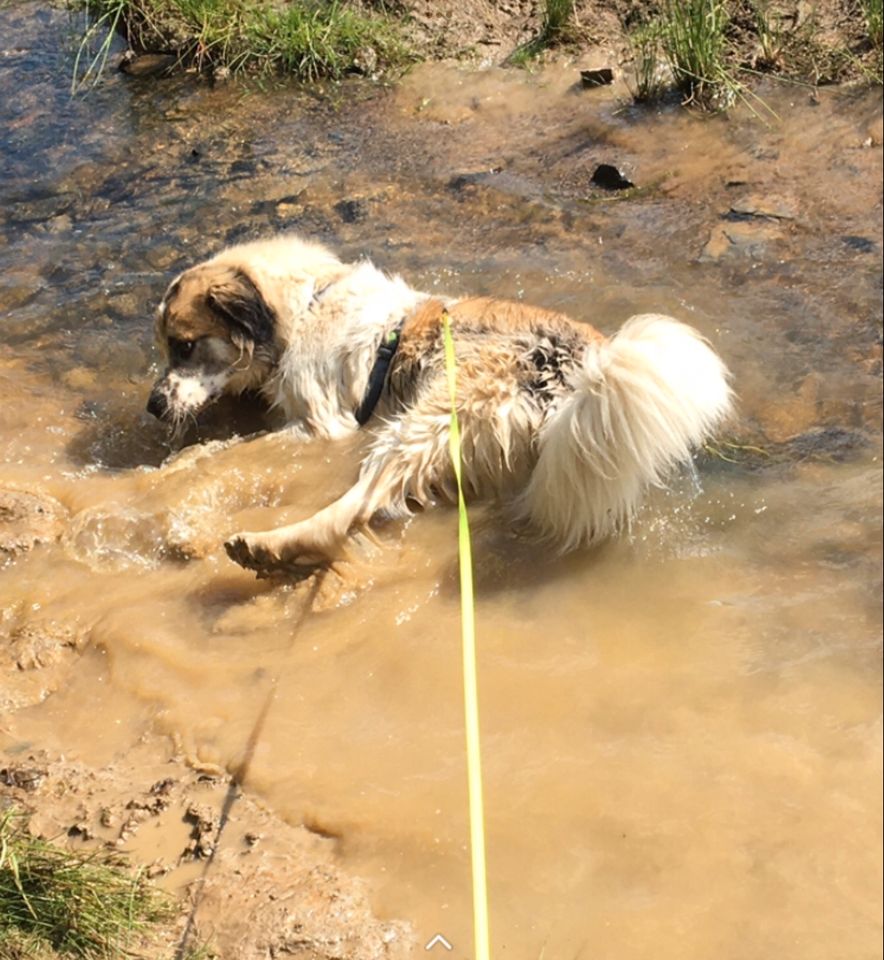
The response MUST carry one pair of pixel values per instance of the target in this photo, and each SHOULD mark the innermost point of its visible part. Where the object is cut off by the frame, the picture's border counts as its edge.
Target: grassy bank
(710, 51)
(306, 40)
(54, 903)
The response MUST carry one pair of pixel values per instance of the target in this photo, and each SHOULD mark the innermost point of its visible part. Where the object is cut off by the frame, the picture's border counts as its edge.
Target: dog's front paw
(255, 551)
(247, 550)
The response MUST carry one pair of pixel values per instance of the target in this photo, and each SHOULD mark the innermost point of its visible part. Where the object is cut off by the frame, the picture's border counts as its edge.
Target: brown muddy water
(682, 730)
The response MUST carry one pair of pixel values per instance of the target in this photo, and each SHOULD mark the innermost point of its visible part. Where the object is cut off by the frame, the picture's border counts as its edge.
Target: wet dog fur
(564, 426)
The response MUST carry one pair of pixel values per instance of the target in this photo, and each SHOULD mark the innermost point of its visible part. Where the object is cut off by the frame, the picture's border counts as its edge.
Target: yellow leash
(470, 673)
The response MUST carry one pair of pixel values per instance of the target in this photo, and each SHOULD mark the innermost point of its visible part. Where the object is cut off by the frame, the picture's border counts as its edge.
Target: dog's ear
(236, 299)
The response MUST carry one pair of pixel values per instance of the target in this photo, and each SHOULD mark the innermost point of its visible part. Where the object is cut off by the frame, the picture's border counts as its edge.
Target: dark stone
(243, 168)
(860, 244)
(39, 211)
(147, 64)
(608, 177)
(351, 211)
(828, 443)
(23, 778)
(597, 78)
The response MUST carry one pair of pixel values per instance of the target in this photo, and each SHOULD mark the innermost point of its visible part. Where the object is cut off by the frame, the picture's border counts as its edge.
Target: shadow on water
(120, 438)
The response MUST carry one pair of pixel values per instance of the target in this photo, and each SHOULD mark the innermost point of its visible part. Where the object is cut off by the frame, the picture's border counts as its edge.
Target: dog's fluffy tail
(641, 403)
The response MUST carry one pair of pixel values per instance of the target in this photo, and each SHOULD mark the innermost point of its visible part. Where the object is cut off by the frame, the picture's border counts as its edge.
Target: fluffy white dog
(566, 427)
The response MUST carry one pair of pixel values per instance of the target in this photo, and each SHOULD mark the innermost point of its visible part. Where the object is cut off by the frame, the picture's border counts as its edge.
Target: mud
(26, 520)
(272, 890)
(682, 729)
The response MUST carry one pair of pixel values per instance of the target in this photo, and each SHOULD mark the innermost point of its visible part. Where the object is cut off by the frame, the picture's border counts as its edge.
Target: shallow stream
(682, 730)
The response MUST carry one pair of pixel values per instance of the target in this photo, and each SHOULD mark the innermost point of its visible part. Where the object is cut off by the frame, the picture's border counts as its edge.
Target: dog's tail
(641, 403)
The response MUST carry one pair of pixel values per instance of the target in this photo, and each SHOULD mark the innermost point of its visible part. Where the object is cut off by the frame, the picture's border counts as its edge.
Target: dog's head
(218, 334)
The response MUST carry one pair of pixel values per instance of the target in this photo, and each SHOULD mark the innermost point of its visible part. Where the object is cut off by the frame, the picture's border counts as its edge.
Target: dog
(565, 427)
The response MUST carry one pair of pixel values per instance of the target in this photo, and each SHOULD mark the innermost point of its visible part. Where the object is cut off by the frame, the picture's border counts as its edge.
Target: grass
(557, 27)
(557, 18)
(309, 40)
(713, 48)
(872, 10)
(694, 41)
(690, 38)
(78, 905)
(772, 38)
(647, 82)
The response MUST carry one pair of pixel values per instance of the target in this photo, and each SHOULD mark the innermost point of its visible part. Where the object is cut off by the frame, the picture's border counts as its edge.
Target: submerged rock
(771, 208)
(827, 443)
(26, 520)
(743, 238)
(860, 244)
(352, 211)
(147, 64)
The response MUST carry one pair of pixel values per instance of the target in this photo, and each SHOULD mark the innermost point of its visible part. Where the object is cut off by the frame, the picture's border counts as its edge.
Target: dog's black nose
(157, 405)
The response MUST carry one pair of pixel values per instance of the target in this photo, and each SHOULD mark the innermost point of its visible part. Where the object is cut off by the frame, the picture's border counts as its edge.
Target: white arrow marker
(439, 941)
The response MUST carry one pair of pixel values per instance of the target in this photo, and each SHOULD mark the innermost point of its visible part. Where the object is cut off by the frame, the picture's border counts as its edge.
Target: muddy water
(682, 730)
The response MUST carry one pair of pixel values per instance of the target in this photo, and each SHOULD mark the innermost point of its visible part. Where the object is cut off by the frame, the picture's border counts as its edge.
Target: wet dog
(567, 428)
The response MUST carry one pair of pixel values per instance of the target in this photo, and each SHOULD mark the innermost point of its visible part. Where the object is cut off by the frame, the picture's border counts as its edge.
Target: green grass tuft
(558, 27)
(647, 57)
(872, 9)
(309, 40)
(79, 905)
(557, 18)
(694, 40)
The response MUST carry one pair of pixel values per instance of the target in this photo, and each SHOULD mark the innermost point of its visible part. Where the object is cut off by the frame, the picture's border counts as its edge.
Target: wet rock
(243, 168)
(22, 776)
(40, 210)
(860, 244)
(743, 238)
(26, 520)
(203, 832)
(352, 211)
(796, 413)
(608, 177)
(162, 257)
(60, 224)
(147, 64)
(831, 443)
(772, 207)
(597, 78)
(80, 378)
(34, 646)
(15, 295)
(286, 211)
(366, 61)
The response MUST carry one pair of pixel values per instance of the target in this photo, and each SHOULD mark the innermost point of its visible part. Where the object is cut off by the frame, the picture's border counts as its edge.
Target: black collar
(378, 376)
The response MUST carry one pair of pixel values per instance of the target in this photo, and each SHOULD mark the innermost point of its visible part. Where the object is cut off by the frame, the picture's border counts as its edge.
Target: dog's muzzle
(178, 395)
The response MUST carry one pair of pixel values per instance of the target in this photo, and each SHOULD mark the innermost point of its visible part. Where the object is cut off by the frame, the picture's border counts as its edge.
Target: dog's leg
(409, 460)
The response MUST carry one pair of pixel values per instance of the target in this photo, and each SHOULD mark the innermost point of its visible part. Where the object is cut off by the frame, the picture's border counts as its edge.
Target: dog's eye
(181, 349)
